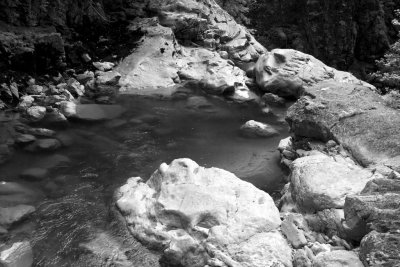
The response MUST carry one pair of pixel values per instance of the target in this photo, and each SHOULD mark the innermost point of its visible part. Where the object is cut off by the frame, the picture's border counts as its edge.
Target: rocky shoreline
(340, 205)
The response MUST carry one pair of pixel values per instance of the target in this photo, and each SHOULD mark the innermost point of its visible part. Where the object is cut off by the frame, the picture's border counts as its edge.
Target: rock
(257, 129)
(318, 248)
(198, 102)
(83, 78)
(108, 78)
(160, 62)
(273, 100)
(26, 101)
(44, 145)
(344, 113)
(68, 109)
(294, 235)
(285, 144)
(55, 117)
(103, 66)
(36, 113)
(380, 249)
(41, 132)
(11, 215)
(328, 221)
(34, 89)
(75, 88)
(34, 174)
(25, 139)
(289, 73)
(97, 112)
(337, 258)
(86, 57)
(202, 215)
(12, 194)
(18, 255)
(318, 182)
(368, 212)
(300, 259)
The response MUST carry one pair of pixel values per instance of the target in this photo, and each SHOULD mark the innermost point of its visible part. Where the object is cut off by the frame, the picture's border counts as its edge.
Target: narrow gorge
(198, 133)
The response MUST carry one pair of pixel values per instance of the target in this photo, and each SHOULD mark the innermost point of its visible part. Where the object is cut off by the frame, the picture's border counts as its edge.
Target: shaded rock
(108, 78)
(203, 215)
(294, 235)
(83, 78)
(55, 117)
(368, 212)
(36, 113)
(11, 215)
(380, 249)
(34, 89)
(18, 255)
(34, 174)
(41, 132)
(97, 112)
(273, 100)
(25, 139)
(300, 259)
(318, 182)
(285, 144)
(257, 129)
(328, 221)
(288, 73)
(337, 258)
(75, 88)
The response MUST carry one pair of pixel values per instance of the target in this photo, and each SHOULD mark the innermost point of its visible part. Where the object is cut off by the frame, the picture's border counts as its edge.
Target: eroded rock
(197, 216)
(319, 182)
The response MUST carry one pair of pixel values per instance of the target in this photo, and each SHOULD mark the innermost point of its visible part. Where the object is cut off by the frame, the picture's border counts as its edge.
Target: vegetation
(387, 78)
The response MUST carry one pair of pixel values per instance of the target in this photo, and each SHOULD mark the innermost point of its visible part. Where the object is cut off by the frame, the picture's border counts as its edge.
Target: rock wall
(337, 32)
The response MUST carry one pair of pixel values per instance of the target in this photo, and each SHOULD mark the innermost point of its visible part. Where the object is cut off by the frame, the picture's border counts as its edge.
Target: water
(75, 222)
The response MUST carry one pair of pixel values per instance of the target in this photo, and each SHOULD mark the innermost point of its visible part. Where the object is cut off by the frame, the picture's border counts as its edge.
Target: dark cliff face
(335, 31)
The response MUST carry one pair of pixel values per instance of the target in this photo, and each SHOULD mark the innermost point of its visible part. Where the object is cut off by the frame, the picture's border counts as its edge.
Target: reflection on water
(74, 224)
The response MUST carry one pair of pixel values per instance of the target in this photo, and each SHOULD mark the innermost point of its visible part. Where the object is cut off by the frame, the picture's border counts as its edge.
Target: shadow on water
(75, 223)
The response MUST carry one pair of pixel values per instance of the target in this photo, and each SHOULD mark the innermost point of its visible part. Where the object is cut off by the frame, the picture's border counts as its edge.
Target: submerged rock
(34, 174)
(15, 214)
(257, 129)
(96, 112)
(198, 216)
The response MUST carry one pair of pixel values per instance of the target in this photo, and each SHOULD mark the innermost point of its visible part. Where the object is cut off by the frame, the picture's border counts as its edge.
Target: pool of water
(74, 224)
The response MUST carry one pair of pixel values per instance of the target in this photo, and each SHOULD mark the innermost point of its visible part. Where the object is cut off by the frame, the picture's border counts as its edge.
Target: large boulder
(337, 258)
(288, 73)
(319, 182)
(374, 218)
(198, 216)
(380, 249)
(161, 63)
(346, 112)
